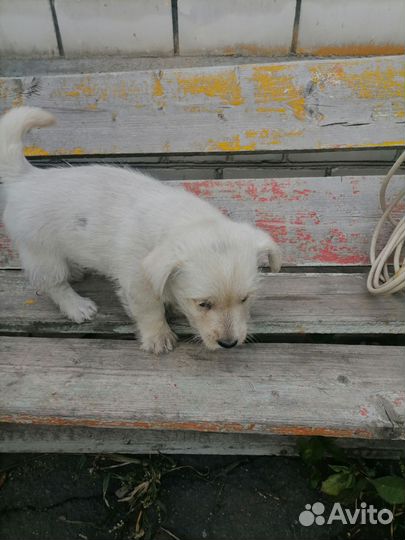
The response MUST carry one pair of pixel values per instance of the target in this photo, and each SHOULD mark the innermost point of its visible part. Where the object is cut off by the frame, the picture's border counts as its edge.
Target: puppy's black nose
(227, 344)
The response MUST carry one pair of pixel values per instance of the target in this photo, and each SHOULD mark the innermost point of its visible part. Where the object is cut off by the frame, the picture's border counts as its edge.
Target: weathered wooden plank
(316, 221)
(280, 389)
(37, 438)
(287, 304)
(292, 105)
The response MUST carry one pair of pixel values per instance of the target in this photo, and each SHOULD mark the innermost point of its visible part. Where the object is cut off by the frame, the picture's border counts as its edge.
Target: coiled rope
(380, 280)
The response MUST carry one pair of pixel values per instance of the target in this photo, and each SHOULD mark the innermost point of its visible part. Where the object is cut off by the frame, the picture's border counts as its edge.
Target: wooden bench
(327, 358)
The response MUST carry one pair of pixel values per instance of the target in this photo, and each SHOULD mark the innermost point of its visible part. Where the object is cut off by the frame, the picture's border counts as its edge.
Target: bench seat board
(281, 389)
(317, 221)
(286, 304)
(306, 104)
(68, 439)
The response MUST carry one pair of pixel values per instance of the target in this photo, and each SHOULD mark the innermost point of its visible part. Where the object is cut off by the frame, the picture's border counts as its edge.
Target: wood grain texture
(281, 389)
(309, 104)
(66, 439)
(316, 221)
(286, 304)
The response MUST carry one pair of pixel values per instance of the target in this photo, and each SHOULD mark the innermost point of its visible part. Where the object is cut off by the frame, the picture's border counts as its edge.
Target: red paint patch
(278, 190)
(304, 236)
(275, 227)
(301, 217)
(201, 188)
(251, 190)
(336, 250)
(363, 411)
(302, 193)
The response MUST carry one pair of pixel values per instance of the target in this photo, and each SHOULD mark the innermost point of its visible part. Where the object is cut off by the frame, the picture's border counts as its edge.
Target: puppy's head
(210, 274)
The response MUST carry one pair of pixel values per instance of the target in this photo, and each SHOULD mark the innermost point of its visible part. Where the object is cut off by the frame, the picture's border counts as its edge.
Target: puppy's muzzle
(227, 344)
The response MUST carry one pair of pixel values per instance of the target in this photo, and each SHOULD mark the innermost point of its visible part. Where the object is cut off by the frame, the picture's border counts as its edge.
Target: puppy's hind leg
(50, 273)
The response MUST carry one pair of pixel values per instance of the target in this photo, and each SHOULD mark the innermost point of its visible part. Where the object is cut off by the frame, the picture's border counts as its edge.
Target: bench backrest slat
(298, 105)
(317, 221)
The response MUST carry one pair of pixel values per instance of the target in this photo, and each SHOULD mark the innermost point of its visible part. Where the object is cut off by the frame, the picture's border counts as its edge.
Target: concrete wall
(82, 28)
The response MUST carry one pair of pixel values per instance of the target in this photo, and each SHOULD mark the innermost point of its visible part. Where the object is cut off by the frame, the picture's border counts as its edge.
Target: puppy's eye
(205, 305)
(244, 299)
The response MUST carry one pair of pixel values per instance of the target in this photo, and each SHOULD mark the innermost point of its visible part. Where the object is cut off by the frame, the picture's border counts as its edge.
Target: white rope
(380, 281)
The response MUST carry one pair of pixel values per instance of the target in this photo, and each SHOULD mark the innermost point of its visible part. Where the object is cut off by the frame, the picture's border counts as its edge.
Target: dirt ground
(66, 497)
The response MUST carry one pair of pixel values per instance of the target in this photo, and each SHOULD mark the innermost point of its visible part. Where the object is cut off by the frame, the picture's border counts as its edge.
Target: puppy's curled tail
(13, 126)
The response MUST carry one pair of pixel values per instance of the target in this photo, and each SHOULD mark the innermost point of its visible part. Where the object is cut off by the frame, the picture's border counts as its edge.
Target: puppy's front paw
(80, 310)
(161, 342)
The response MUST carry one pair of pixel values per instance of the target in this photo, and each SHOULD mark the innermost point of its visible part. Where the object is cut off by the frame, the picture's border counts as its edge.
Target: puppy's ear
(158, 265)
(266, 246)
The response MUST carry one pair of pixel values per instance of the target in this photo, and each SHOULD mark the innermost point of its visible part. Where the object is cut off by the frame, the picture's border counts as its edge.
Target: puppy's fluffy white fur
(161, 245)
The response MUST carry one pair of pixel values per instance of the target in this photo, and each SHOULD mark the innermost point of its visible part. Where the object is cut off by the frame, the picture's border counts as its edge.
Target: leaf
(336, 483)
(312, 450)
(339, 468)
(390, 488)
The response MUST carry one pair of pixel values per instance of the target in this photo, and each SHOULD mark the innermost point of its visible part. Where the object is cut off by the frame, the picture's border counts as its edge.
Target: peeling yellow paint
(158, 90)
(255, 139)
(73, 151)
(224, 85)
(271, 109)
(380, 144)
(232, 145)
(378, 83)
(72, 93)
(382, 82)
(273, 86)
(31, 151)
(401, 142)
(81, 89)
(30, 302)
(354, 49)
(84, 89)
(399, 109)
(196, 109)
(253, 50)
(253, 134)
(91, 106)
(18, 101)
(272, 136)
(103, 95)
(321, 76)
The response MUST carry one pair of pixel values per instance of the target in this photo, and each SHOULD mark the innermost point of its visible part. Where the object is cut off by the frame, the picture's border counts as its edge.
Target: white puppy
(161, 245)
